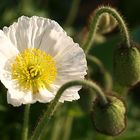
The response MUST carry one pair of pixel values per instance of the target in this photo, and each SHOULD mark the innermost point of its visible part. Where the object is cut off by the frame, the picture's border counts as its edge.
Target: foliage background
(72, 121)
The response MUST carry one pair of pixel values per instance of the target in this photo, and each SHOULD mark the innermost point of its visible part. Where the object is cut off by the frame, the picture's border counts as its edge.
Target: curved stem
(95, 21)
(25, 122)
(47, 115)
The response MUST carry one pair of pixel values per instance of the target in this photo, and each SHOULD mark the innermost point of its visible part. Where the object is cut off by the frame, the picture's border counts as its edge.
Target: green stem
(47, 115)
(68, 126)
(94, 25)
(57, 128)
(26, 122)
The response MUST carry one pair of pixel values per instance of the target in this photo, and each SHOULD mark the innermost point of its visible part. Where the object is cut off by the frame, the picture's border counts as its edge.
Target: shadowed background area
(72, 121)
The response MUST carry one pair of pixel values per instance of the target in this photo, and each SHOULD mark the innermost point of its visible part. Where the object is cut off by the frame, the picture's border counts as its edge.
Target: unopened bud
(127, 64)
(106, 23)
(109, 119)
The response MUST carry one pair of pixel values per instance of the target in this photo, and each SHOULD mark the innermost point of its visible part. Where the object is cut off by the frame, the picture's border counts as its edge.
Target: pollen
(34, 69)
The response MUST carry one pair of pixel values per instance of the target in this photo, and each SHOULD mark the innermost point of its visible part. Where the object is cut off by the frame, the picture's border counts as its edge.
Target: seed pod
(109, 119)
(127, 64)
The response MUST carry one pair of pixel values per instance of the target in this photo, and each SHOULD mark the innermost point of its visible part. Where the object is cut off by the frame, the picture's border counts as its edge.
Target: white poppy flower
(36, 59)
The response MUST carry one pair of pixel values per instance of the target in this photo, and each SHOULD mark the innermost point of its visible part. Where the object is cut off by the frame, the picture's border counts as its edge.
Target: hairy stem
(25, 122)
(47, 115)
(68, 126)
(94, 25)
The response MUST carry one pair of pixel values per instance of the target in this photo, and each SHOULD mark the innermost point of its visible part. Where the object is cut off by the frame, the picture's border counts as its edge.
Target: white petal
(17, 97)
(69, 94)
(7, 50)
(28, 98)
(6, 75)
(70, 58)
(70, 61)
(28, 32)
(14, 97)
(71, 66)
(54, 42)
(14, 102)
(70, 98)
(44, 96)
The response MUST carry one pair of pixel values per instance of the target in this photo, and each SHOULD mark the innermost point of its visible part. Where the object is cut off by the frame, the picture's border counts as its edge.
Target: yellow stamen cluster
(34, 69)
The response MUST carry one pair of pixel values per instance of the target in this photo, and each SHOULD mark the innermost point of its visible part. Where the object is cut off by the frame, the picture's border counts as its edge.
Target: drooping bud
(109, 119)
(127, 64)
(106, 23)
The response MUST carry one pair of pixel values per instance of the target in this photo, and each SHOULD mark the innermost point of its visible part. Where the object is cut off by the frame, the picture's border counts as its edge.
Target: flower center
(34, 69)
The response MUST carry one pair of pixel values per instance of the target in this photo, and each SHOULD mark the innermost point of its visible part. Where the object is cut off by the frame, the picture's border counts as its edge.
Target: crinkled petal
(17, 97)
(29, 32)
(70, 60)
(71, 66)
(14, 102)
(75, 96)
(7, 50)
(69, 94)
(69, 57)
(44, 96)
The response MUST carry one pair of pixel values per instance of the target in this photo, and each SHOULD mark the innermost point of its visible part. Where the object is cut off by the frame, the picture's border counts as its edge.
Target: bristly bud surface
(109, 119)
(127, 64)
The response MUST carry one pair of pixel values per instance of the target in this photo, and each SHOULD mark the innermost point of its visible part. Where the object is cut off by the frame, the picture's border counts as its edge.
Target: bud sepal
(111, 118)
(127, 64)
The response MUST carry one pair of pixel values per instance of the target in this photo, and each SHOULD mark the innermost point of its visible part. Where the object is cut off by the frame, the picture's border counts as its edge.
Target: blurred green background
(72, 121)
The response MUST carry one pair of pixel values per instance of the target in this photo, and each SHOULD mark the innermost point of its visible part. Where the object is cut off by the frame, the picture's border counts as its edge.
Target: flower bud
(109, 119)
(127, 64)
(106, 24)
